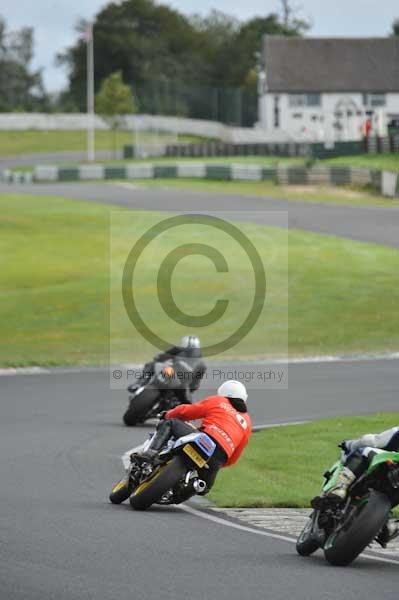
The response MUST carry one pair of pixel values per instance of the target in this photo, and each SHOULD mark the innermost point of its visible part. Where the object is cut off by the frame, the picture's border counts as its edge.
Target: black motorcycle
(162, 391)
(171, 478)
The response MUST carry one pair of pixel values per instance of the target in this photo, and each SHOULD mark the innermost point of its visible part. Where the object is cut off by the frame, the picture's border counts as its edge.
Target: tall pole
(90, 92)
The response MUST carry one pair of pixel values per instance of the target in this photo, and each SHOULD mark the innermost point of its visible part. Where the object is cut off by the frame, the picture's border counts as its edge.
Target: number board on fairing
(206, 444)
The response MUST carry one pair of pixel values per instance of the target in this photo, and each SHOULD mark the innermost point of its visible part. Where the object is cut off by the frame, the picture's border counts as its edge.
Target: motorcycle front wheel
(359, 530)
(306, 543)
(160, 481)
(121, 491)
(140, 406)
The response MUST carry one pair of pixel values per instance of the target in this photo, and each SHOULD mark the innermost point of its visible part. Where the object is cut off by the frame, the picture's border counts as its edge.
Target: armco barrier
(387, 183)
(310, 150)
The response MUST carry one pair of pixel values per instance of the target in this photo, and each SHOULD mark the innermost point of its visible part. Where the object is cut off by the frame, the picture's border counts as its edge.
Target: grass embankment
(381, 162)
(265, 161)
(283, 466)
(342, 196)
(54, 286)
(27, 142)
(13, 143)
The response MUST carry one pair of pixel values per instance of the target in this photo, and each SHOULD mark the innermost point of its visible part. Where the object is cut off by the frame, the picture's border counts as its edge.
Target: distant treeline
(200, 67)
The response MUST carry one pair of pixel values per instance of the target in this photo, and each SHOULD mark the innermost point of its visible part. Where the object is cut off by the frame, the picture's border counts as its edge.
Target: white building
(327, 88)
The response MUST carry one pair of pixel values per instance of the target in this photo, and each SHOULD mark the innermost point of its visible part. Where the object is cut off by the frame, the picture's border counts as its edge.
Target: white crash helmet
(233, 389)
(189, 341)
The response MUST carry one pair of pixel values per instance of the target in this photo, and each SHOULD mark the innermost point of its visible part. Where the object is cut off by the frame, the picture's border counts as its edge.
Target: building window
(297, 116)
(374, 100)
(277, 111)
(313, 99)
(301, 100)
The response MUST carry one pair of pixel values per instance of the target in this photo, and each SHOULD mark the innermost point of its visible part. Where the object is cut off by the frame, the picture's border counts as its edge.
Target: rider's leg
(217, 461)
(207, 475)
(165, 430)
(352, 468)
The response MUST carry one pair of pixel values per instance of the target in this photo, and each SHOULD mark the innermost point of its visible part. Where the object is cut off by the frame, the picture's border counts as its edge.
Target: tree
(114, 101)
(290, 19)
(198, 66)
(20, 89)
(395, 27)
(146, 41)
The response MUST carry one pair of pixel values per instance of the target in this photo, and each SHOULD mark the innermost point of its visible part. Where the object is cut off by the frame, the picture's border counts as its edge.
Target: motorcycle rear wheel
(159, 482)
(343, 547)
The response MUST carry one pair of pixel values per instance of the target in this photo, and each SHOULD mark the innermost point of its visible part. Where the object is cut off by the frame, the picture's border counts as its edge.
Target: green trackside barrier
(220, 172)
(165, 171)
(71, 174)
(115, 173)
(319, 150)
(340, 175)
(269, 174)
(128, 151)
(376, 177)
(297, 176)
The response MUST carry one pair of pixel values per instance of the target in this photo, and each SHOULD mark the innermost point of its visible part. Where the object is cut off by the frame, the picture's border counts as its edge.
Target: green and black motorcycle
(343, 530)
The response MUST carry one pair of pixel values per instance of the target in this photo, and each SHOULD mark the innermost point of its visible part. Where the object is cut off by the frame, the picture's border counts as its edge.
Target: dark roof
(296, 64)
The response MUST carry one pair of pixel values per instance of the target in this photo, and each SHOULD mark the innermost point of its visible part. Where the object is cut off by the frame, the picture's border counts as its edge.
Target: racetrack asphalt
(61, 438)
(369, 224)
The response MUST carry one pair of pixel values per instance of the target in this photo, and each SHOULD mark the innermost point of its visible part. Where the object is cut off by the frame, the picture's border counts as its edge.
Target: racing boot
(160, 438)
(339, 490)
(389, 532)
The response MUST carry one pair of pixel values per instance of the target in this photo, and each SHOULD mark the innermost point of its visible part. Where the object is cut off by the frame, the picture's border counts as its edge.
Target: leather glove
(345, 445)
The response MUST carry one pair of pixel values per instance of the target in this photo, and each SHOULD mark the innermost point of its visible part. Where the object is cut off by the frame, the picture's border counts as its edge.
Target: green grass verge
(267, 161)
(55, 301)
(31, 141)
(381, 162)
(283, 466)
(343, 196)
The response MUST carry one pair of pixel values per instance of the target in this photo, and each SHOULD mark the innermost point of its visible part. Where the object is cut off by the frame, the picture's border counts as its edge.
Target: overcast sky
(54, 20)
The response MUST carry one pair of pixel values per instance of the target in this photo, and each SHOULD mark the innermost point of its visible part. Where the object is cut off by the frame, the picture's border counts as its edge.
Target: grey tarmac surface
(60, 441)
(370, 224)
(44, 158)
(61, 438)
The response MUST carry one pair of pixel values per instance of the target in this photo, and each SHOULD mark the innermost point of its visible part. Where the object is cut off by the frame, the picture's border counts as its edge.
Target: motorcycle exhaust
(199, 486)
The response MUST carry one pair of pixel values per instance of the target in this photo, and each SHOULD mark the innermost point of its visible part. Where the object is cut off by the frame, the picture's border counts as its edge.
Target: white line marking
(272, 361)
(298, 360)
(204, 515)
(209, 517)
(24, 371)
(256, 428)
(129, 186)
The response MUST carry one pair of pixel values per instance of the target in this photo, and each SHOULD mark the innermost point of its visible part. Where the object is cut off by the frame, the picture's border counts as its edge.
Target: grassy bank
(265, 161)
(55, 287)
(27, 142)
(383, 162)
(31, 141)
(283, 466)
